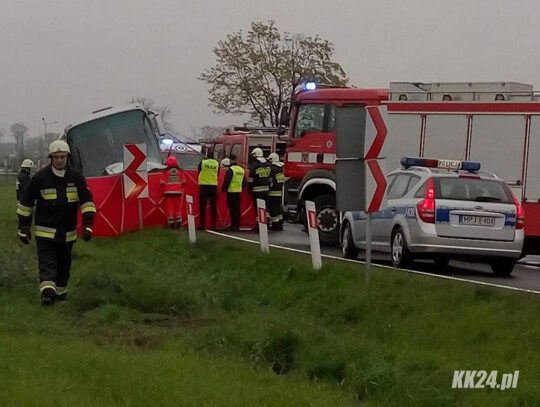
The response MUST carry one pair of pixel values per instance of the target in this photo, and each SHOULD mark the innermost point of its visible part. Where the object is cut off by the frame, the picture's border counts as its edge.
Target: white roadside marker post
(311, 213)
(191, 220)
(263, 225)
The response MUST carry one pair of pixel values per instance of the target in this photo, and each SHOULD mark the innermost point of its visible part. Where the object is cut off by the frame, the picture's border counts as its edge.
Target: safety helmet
(27, 163)
(257, 152)
(273, 157)
(59, 146)
(226, 162)
(171, 162)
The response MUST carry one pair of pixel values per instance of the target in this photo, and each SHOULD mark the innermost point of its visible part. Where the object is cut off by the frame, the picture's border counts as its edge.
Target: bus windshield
(97, 145)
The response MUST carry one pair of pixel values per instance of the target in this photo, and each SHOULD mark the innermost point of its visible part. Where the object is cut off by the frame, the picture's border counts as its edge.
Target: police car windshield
(99, 143)
(471, 189)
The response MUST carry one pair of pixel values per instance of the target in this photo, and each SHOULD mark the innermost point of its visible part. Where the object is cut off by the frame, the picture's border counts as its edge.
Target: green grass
(264, 325)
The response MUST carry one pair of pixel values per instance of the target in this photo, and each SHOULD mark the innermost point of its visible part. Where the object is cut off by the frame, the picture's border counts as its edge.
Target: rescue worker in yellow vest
(259, 177)
(275, 213)
(57, 191)
(233, 184)
(208, 190)
(24, 176)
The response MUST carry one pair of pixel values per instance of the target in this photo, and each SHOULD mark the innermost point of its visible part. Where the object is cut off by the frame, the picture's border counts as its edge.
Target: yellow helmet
(59, 146)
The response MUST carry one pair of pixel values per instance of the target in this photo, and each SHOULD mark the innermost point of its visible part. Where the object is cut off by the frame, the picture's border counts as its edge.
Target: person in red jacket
(173, 187)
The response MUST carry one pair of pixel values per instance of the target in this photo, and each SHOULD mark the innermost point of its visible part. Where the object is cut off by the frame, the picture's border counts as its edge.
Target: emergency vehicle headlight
(167, 141)
(310, 85)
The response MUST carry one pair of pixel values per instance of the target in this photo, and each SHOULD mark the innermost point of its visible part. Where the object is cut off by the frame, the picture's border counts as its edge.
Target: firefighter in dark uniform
(259, 177)
(57, 191)
(208, 190)
(233, 184)
(275, 212)
(24, 176)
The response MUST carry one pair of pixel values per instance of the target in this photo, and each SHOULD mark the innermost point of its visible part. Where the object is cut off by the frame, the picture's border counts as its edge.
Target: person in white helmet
(24, 177)
(57, 192)
(275, 213)
(259, 177)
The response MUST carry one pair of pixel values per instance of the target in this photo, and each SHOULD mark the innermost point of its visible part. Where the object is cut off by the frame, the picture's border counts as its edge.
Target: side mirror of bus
(160, 125)
(284, 116)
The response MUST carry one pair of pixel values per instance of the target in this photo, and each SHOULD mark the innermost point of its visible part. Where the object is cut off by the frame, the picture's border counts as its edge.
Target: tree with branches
(163, 111)
(19, 131)
(257, 72)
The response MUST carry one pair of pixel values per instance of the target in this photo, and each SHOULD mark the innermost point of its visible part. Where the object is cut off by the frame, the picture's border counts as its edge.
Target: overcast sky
(61, 59)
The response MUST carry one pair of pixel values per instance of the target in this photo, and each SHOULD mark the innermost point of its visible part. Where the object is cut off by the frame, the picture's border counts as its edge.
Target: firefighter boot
(48, 296)
(61, 298)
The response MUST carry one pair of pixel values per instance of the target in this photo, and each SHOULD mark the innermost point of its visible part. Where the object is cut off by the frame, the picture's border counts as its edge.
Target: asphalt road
(526, 275)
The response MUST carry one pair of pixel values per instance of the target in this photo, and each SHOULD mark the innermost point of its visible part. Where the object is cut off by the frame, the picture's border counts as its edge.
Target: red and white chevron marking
(135, 175)
(375, 162)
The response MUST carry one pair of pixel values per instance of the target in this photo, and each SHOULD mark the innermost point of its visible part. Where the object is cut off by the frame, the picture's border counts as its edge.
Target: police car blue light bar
(310, 85)
(455, 165)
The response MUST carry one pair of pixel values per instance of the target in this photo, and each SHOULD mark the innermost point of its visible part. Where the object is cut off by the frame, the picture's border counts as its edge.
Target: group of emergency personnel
(56, 192)
(265, 182)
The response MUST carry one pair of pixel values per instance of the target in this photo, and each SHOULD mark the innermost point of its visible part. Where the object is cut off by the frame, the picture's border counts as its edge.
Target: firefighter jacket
(276, 180)
(57, 200)
(173, 181)
(208, 172)
(259, 175)
(22, 179)
(234, 179)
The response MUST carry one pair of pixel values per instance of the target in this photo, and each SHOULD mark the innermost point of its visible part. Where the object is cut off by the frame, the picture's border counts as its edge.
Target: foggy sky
(62, 59)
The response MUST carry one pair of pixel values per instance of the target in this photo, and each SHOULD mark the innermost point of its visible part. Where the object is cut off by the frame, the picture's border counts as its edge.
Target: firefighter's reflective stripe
(276, 218)
(237, 179)
(71, 236)
(275, 193)
(21, 234)
(262, 188)
(48, 194)
(42, 231)
(263, 172)
(61, 290)
(89, 229)
(24, 210)
(72, 194)
(88, 207)
(209, 172)
(47, 284)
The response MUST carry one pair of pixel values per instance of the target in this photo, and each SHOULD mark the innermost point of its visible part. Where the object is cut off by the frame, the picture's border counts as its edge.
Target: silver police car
(442, 210)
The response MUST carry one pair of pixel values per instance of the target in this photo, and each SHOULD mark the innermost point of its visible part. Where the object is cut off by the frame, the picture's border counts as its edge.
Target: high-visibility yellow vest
(237, 179)
(209, 172)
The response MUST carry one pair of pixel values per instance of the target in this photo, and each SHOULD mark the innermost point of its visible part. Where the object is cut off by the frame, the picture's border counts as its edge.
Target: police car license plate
(477, 220)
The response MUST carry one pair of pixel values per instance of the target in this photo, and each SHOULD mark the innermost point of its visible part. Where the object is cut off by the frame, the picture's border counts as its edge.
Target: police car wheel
(401, 256)
(347, 244)
(503, 267)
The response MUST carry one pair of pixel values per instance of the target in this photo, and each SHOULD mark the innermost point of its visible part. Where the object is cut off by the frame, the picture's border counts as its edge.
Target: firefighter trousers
(207, 193)
(275, 213)
(233, 202)
(54, 260)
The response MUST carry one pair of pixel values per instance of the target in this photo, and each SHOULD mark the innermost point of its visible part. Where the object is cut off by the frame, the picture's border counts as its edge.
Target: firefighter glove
(87, 234)
(25, 235)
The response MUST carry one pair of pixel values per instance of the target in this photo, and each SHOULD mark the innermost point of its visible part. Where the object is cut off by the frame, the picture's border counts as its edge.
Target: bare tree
(163, 111)
(258, 72)
(210, 132)
(19, 131)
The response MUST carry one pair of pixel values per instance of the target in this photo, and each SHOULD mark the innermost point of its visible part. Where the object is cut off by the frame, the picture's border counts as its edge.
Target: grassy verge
(149, 297)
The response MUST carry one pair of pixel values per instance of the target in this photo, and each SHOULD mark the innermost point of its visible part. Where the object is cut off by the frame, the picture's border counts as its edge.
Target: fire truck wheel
(327, 218)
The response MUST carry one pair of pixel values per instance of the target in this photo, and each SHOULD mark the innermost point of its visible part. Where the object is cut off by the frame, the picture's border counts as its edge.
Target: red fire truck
(495, 123)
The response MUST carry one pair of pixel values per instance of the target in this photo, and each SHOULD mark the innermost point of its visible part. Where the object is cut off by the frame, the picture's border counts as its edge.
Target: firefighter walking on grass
(275, 193)
(57, 192)
(259, 177)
